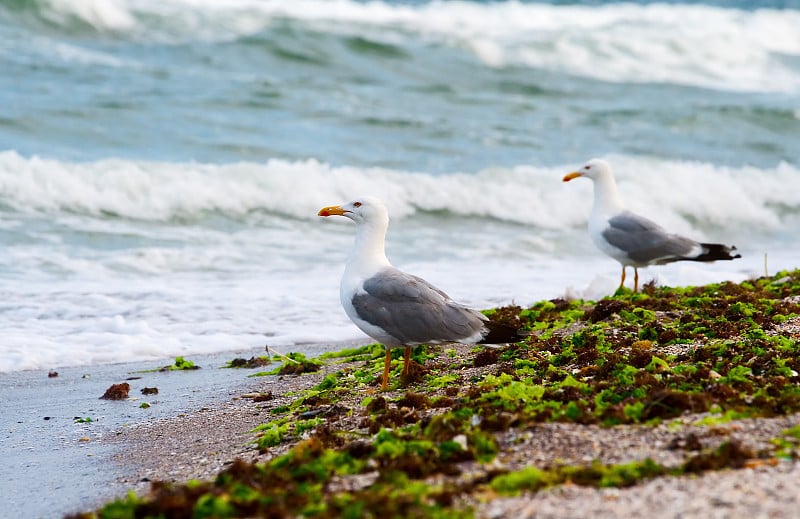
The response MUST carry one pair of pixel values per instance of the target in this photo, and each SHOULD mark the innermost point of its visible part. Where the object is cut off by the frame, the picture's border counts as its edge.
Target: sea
(162, 162)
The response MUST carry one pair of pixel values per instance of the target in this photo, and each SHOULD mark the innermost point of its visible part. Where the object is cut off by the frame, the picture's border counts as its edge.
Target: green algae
(369, 351)
(294, 364)
(288, 486)
(629, 359)
(443, 380)
(729, 454)
(272, 433)
(596, 475)
(180, 364)
(787, 445)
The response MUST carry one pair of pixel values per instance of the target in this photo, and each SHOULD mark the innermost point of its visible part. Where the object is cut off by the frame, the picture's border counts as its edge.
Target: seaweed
(704, 355)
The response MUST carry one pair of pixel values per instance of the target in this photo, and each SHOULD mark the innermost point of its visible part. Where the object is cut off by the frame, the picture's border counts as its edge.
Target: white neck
(606, 197)
(368, 254)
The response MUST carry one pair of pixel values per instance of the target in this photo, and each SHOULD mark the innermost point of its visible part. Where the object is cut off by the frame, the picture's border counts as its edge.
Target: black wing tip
(716, 251)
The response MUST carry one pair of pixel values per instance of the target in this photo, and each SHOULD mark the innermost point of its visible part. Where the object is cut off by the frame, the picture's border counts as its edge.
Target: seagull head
(365, 209)
(594, 169)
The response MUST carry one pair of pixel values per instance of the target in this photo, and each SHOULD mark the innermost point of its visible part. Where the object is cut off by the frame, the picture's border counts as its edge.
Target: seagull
(631, 239)
(391, 306)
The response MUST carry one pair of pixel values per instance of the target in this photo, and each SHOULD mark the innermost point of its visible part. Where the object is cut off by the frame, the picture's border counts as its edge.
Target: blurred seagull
(634, 240)
(395, 308)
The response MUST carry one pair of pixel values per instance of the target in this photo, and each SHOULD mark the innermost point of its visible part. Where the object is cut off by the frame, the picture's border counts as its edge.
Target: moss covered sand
(657, 385)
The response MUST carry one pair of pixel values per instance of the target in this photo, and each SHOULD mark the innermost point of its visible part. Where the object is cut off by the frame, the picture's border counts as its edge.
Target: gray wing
(645, 241)
(414, 311)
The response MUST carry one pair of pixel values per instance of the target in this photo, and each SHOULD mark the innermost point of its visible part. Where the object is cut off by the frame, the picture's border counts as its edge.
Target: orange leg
(406, 360)
(635, 279)
(386, 364)
(622, 281)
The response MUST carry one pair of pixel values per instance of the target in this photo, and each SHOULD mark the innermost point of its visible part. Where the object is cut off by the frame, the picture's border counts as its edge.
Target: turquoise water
(435, 87)
(162, 162)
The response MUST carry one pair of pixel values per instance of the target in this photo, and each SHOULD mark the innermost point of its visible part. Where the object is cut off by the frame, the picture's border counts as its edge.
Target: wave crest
(714, 47)
(689, 194)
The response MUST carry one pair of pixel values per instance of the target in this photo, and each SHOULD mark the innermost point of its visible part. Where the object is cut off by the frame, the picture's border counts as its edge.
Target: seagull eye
(587, 167)
(356, 204)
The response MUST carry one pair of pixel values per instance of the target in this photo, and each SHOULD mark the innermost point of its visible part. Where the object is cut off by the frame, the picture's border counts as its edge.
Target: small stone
(263, 397)
(311, 413)
(461, 440)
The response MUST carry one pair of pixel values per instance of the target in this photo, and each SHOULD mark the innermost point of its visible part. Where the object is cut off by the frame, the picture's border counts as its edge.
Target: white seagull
(631, 239)
(395, 308)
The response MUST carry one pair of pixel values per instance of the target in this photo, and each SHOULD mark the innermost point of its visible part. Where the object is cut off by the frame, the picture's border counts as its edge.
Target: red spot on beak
(333, 210)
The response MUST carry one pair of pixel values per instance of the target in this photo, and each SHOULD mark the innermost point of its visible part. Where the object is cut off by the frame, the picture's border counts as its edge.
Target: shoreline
(44, 445)
(198, 445)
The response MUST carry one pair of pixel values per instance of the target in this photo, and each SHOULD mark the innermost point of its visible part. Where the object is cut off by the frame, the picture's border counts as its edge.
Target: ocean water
(162, 161)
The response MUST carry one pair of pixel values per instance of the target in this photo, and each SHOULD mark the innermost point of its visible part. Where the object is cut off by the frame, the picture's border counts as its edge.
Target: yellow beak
(333, 210)
(574, 174)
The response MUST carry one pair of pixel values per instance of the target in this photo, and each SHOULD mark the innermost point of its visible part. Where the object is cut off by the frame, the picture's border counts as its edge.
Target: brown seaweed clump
(252, 362)
(117, 392)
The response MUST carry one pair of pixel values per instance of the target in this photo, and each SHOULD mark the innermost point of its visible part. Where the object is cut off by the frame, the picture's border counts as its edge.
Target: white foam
(684, 196)
(102, 15)
(721, 48)
(82, 322)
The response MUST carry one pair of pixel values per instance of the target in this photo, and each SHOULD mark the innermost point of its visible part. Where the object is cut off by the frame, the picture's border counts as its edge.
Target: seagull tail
(716, 251)
(501, 333)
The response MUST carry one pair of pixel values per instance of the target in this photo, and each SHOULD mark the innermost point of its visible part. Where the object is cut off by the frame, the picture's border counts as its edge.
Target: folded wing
(414, 311)
(646, 242)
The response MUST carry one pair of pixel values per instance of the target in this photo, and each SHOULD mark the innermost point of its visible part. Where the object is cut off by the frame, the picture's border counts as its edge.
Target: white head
(595, 169)
(362, 210)
(372, 221)
(606, 198)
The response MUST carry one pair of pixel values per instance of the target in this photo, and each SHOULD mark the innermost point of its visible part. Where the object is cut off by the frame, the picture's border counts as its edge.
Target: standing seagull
(634, 240)
(395, 308)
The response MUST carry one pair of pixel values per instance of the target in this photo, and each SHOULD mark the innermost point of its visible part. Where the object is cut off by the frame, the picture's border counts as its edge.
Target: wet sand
(54, 465)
